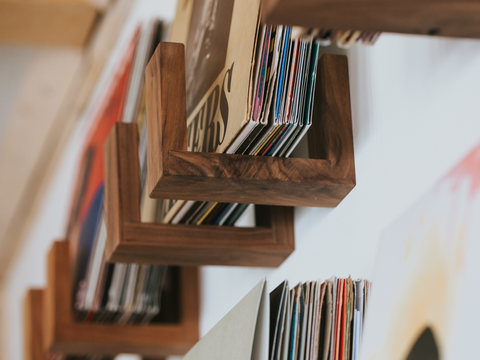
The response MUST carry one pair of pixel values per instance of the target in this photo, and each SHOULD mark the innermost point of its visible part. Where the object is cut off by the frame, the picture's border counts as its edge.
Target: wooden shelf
(456, 18)
(174, 173)
(33, 322)
(65, 336)
(129, 240)
(47, 22)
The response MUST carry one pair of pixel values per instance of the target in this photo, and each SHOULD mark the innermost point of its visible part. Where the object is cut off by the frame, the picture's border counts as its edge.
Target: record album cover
(219, 36)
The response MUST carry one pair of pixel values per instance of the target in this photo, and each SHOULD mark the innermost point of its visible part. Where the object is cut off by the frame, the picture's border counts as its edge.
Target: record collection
(317, 320)
(113, 293)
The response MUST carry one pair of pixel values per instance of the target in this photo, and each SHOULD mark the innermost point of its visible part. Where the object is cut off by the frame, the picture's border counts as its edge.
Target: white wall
(415, 112)
(13, 62)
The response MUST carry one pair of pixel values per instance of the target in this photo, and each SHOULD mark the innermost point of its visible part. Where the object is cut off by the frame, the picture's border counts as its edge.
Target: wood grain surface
(131, 241)
(266, 246)
(33, 322)
(175, 173)
(63, 335)
(456, 18)
(122, 194)
(165, 70)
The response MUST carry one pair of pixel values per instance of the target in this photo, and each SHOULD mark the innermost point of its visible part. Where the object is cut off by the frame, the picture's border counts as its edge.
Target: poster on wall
(424, 301)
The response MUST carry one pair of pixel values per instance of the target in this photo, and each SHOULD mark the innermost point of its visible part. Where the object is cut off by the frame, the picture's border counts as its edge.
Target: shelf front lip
(249, 167)
(76, 337)
(265, 258)
(207, 245)
(324, 193)
(226, 237)
(241, 178)
(199, 245)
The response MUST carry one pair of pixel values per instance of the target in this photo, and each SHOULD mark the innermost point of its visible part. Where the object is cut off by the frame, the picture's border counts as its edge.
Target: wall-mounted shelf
(33, 325)
(457, 18)
(63, 335)
(46, 22)
(323, 180)
(130, 240)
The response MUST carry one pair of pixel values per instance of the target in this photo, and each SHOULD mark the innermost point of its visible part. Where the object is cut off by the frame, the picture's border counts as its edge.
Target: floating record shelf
(323, 180)
(174, 173)
(63, 335)
(131, 241)
(33, 325)
(457, 18)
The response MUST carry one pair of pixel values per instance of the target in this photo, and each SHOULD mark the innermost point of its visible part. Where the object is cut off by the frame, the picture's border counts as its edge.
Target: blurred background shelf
(33, 322)
(48, 22)
(65, 336)
(455, 18)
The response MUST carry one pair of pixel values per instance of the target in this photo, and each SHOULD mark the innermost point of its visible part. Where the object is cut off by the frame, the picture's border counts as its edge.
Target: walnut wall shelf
(33, 325)
(129, 240)
(323, 180)
(65, 336)
(457, 18)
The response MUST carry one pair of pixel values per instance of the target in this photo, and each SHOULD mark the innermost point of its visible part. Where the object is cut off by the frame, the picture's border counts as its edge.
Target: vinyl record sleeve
(220, 49)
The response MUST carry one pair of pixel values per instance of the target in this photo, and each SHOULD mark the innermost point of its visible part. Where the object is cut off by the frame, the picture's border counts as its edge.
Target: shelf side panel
(122, 182)
(331, 134)
(33, 330)
(166, 108)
